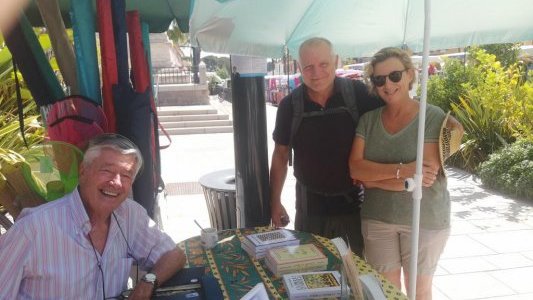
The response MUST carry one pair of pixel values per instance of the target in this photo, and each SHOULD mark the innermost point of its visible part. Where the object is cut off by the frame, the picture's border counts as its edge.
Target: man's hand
(280, 218)
(142, 291)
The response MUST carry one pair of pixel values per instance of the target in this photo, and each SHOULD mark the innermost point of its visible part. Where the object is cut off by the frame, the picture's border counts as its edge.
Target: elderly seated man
(82, 246)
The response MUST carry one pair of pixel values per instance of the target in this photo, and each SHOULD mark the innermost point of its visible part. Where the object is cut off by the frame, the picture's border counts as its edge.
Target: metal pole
(417, 194)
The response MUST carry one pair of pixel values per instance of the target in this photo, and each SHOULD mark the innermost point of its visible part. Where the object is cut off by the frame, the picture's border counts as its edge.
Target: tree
(213, 63)
(175, 35)
(506, 54)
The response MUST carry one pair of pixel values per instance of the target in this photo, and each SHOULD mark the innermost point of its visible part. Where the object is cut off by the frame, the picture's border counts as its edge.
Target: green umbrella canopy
(158, 14)
(355, 27)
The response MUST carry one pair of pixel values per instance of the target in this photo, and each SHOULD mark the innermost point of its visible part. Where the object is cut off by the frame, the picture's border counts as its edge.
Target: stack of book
(313, 285)
(294, 259)
(257, 244)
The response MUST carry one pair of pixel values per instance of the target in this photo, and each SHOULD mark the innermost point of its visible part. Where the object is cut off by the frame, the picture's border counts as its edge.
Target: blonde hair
(383, 55)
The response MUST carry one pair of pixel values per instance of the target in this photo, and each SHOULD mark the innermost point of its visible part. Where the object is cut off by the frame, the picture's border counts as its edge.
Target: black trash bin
(219, 191)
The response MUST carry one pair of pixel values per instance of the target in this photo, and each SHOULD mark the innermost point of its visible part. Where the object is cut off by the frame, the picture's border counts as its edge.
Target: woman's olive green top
(382, 147)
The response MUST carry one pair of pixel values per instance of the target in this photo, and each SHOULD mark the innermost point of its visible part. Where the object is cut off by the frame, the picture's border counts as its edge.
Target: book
(294, 259)
(312, 285)
(298, 268)
(257, 244)
(257, 293)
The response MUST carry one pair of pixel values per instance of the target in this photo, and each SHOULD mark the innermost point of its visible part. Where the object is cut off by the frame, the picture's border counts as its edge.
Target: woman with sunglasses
(383, 155)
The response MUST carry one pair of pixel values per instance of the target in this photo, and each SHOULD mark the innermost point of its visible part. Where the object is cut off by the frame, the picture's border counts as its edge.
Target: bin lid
(219, 180)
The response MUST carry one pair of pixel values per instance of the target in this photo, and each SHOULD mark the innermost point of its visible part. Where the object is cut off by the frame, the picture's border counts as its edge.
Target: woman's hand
(429, 174)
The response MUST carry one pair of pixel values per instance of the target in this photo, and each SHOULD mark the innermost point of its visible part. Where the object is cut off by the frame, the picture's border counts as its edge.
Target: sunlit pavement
(489, 254)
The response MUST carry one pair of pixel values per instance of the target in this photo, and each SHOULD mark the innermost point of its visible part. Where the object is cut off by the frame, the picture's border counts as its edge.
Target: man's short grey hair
(116, 142)
(313, 42)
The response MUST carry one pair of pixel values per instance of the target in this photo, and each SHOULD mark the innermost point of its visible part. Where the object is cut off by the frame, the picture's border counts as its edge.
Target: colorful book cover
(313, 285)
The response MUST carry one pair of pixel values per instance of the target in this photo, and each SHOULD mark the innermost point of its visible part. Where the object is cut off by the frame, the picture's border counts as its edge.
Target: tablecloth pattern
(237, 273)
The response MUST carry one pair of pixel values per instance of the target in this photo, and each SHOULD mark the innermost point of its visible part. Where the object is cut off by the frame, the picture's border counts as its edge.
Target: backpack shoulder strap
(297, 98)
(348, 94)
(297, 111)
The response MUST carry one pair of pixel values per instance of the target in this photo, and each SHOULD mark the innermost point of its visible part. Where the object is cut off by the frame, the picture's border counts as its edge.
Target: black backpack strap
(297, 115)
(349, 97)
(20, 105)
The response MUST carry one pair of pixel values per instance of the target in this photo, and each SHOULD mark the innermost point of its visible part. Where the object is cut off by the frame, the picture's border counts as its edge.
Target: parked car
(350, 73)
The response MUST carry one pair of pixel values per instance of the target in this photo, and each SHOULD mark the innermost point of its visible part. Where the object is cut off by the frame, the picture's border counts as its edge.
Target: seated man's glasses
(394, 76)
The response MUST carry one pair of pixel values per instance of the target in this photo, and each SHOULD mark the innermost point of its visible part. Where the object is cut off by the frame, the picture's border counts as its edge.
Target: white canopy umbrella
(360, 28)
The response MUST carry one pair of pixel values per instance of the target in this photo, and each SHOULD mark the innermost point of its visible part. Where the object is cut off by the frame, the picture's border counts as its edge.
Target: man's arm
(165, 267)
(278, 173)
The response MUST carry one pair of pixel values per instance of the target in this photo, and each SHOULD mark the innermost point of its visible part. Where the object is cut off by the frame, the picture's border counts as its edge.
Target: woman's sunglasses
(394, 76)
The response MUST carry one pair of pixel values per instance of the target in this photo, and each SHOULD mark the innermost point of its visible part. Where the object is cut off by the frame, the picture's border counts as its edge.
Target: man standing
(327, 201)
(82, 246)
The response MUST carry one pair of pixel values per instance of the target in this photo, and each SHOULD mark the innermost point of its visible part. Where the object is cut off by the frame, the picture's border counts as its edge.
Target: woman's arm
(366, 170)
(391, 176)
(395, 185)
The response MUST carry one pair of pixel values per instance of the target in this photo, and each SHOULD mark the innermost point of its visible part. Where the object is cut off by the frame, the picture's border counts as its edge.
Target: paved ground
(489, 254)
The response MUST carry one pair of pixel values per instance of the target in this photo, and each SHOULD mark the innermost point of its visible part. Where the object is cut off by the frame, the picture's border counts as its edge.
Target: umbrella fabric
(141, 81)
(132, 112)
(108, 60)
(118, 8)
(133, 121)
(55, 27)
(139, 66)
(155, 118)
(355, 27)
(32, 62)
(158, 14)
(85, 46)
(146, 41)
(42, 61)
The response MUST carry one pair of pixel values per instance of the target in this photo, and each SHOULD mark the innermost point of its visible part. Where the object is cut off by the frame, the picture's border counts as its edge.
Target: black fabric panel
(23, 56)
(120, 30)
(134, 122)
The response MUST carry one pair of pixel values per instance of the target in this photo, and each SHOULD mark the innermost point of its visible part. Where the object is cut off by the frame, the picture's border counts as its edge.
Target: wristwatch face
(149, 277)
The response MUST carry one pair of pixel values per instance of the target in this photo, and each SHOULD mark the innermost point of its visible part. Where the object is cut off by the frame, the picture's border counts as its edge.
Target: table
(237, 273)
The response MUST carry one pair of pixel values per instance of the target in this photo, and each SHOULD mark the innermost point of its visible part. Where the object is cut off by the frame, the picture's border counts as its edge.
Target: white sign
(248, 66)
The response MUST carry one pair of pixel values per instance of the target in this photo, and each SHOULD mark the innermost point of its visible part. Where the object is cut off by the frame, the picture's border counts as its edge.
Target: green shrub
(510, 170)
(445, 89)
(496, 109)
(212, 81)
(10, 136)
(222, 73)
(506, 54)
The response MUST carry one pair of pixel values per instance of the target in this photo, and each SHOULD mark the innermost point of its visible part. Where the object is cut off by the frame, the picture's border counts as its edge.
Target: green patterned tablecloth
(237, 273)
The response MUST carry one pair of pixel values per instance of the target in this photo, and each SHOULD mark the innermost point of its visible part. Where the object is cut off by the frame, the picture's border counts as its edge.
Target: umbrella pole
(417, 194)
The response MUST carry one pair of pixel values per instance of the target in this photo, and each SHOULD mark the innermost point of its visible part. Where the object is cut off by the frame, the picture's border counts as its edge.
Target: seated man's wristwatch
(150, 278)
